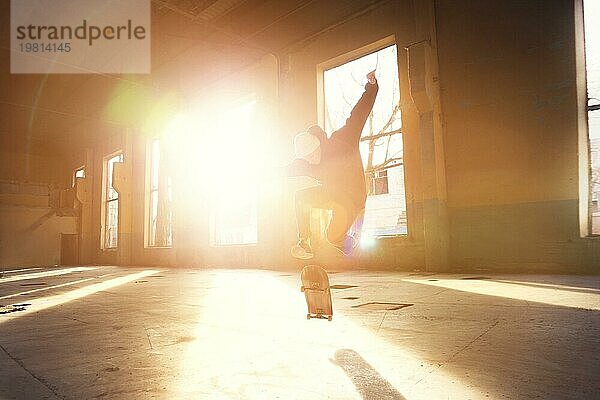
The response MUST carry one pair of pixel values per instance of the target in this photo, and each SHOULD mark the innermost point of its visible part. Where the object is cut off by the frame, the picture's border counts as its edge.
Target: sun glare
(220, 149)
(244, 340)
(223, 143)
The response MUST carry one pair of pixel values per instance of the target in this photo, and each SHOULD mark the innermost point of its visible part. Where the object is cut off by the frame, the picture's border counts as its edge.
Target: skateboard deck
(315, 285)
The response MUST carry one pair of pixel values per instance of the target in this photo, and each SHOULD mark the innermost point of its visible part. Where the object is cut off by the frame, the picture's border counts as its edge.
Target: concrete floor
(123, 333)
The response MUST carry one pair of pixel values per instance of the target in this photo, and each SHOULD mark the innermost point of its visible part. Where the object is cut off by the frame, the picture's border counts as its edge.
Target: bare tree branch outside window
(381, 143)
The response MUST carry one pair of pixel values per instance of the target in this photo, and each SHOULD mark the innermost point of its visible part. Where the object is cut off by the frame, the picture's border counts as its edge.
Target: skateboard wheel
(329, 318)
(307, 316)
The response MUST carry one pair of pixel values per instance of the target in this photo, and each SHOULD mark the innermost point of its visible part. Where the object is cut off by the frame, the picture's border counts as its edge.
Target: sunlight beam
(45, 288)
(12, 271)
(553, 296)
(252, 341)
(44, 303)
(45, 274)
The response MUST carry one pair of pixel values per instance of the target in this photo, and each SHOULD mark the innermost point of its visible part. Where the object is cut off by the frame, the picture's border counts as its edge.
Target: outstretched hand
(371, 77)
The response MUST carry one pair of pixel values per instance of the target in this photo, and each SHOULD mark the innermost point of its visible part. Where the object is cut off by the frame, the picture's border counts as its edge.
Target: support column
(83, 192)
(425, 94)
(122, 182)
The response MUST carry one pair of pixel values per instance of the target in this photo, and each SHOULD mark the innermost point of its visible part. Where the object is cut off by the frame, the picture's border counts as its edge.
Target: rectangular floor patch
(380, 306)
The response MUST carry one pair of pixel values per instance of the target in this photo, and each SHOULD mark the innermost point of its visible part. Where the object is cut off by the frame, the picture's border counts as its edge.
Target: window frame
(106, 202)
(214, 221)
(584, 145)
(321, 111)
(149, 237)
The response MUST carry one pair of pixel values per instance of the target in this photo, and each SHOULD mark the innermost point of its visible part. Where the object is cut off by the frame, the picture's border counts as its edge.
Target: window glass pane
(160, 197)
(155, 162)
(591, 9)
(235, 218)
(234, 180)
(111, 205)
(112, 224)
(111, 193)
(167, 227)
(152, 216)
(385, 211)
(592, 64)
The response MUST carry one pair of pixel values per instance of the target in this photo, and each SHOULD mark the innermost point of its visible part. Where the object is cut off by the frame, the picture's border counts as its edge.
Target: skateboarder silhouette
(336, 164)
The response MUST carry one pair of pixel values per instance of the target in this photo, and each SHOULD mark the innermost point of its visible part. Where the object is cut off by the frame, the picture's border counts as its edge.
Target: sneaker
(302, 250)
(347, 246)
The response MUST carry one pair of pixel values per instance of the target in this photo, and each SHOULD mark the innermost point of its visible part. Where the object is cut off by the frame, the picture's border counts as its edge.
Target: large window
(381, 145)
(591, 10)
(110, 210)
(159, 216)
(235, 159)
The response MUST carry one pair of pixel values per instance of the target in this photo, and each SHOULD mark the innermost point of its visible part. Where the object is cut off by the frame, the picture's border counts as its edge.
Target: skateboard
(315, 285)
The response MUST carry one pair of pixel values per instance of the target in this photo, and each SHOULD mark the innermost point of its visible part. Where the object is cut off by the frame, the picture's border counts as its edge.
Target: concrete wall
(31, 222)
(508, 83)
(32, 235)
(20, 166)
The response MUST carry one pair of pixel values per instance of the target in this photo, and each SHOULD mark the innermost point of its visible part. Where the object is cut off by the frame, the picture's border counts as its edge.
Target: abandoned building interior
(146, 223)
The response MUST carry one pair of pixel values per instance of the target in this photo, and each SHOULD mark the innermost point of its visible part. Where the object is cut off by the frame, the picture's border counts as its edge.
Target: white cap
(305, 144)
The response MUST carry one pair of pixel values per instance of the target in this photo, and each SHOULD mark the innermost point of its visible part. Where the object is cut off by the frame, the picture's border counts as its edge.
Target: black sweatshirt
(341, 168)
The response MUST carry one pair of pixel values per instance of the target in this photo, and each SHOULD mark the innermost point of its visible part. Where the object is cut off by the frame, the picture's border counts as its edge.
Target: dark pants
(344, 212)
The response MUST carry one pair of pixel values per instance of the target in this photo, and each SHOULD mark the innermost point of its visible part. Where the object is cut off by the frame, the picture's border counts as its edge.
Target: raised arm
(362, 109)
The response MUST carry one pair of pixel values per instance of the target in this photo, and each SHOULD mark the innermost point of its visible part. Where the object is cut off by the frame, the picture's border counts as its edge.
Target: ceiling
(192, 41)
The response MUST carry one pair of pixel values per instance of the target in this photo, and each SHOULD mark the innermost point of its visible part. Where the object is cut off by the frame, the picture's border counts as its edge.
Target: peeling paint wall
(31, 223)
(32, 235)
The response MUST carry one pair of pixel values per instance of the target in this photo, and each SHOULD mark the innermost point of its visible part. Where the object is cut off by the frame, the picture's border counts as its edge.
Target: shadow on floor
(368, 382)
